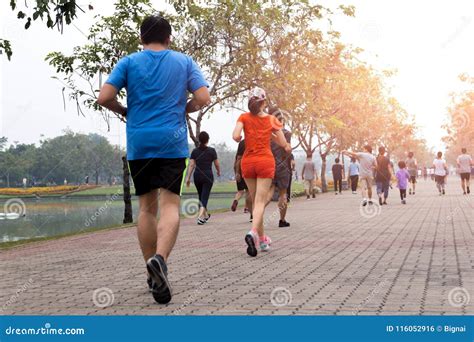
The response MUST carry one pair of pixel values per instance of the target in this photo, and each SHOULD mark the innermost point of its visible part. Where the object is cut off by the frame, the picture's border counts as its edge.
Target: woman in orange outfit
(258, 163)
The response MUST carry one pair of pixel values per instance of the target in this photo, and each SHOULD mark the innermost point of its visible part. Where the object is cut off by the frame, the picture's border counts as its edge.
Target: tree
(56, 13)
(460, 124)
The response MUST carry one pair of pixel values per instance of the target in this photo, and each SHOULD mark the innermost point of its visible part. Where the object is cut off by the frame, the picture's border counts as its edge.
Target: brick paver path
(332, 260)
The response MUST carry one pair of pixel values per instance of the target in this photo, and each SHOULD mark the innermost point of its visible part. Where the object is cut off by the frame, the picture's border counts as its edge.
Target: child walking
(258, 163)
(402, 180)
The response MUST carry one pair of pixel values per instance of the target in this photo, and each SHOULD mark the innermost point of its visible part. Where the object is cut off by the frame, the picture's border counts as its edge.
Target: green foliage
(55, 13)
(70, 156)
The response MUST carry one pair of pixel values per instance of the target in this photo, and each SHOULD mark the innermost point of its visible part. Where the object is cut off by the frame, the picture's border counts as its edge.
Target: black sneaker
(444, 192)
(314, 196)
(208, 217)
(385, 202)
(370, 202)
(234, 205)
(251, 248)
(149, 281)
(464, 193)
(251, 218)
(364, 203)
(158, 272)
(468, 190)
(380, 201)
(283, 224)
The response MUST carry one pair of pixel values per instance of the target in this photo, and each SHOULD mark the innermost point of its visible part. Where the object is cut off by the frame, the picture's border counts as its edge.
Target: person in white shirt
(368, 164)
(465, 163)
(440, 172)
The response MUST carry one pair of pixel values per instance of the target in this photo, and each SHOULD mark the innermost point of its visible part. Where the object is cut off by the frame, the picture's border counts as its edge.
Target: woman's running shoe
(265, 243)
(251, 240)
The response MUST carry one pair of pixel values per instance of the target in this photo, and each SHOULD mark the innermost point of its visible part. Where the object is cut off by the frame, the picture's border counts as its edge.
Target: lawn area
(220, 187)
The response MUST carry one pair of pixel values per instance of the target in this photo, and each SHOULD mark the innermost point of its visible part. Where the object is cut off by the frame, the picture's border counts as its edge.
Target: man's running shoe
(158, 271)
(234, 205)
(246, 210)
(150, 283)
(208, 217)
(380, 201)
(283, 224)
(404, 202)
(251, 240)
(444, 192)
(364, 203)
(251, 218)
(468, 190)
(201, 221)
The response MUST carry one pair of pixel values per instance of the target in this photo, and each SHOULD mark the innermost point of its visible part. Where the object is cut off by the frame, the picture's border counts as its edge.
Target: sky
(428, 43)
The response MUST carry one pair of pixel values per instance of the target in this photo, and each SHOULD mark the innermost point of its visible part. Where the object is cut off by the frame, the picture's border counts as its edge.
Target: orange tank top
(258, 134)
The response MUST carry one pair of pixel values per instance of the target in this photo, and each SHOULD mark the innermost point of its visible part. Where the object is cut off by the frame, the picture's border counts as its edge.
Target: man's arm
(108, 99)
(350, 154)
(201, 98)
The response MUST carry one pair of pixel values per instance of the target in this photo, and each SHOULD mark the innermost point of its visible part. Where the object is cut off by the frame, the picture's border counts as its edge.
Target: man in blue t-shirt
(157, 81)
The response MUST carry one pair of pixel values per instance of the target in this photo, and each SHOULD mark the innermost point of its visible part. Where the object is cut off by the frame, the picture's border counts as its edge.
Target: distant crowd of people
(158, 81)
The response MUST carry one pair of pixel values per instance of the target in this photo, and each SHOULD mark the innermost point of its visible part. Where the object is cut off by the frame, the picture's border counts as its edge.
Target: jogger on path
(258, 163)
(157, 81)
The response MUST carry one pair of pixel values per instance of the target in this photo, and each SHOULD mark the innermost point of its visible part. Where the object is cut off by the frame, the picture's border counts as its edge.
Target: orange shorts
(258, 168)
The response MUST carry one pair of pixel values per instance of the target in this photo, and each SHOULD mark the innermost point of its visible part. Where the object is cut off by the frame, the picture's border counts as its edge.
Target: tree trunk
(324, 186)
(127, 197)
(97, 178)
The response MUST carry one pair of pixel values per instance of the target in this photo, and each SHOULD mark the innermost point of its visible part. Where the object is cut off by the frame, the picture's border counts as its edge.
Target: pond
(54, 217)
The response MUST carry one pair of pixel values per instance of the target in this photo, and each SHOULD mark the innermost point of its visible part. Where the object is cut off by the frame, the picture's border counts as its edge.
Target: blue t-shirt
(157, 84)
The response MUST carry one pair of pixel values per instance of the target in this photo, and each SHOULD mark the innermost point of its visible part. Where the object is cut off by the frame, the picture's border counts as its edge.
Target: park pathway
(334, 259)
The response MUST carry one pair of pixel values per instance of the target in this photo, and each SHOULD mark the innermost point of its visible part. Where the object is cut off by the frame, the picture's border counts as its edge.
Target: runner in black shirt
(201, 162)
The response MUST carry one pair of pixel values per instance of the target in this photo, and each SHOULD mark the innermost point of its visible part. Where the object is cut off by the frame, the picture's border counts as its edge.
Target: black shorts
(281, 180)
(440, 179)
(154, 173)
(241, 185)
(465, 176)
(413, 179)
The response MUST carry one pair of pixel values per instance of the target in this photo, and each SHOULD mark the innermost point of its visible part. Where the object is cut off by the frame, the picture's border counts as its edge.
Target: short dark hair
(255, 105)
(203, 138)
(439, 154)
(381, 150)
(368, 148)
(402, 164)
(410, 154)
(155, 29)
(353, 160)
(337, 160)
(463, 150)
